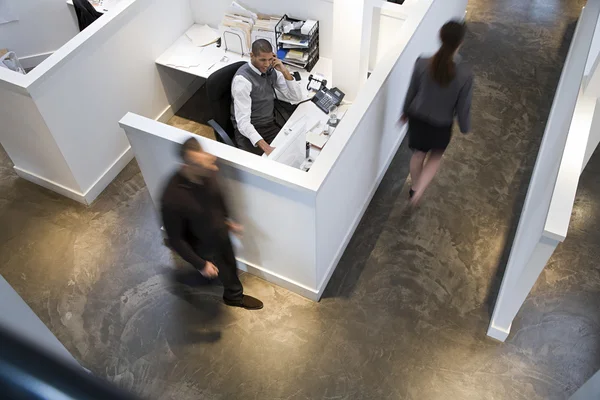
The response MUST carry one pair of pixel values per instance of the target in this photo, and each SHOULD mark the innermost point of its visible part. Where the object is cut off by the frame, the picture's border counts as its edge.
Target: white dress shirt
(242, 103)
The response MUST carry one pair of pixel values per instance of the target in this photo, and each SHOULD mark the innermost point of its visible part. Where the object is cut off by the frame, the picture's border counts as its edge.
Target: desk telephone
(325, 98)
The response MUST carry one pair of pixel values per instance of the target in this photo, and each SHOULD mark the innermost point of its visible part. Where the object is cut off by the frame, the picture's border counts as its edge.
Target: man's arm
(174, 225)
(286, 83)
(242, 105)
(412, 89)
(463, 106)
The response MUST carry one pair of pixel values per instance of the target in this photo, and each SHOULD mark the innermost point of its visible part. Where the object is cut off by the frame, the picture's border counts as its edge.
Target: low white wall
(590, 390)
(85, 87)
(42, 28)
(546, 213)
(27, 139)
(594, 137)
(278, 241)
(385, 31)
(355, 159)
(18, 318)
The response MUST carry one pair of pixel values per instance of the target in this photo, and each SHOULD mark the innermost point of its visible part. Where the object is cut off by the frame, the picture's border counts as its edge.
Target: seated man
(253, 93)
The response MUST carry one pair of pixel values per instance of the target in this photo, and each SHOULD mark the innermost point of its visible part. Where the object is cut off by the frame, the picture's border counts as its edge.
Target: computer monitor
(293, 150)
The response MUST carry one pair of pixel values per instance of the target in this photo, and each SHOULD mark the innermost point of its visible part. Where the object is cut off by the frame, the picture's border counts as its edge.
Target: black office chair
(86, 13)
(218, 91)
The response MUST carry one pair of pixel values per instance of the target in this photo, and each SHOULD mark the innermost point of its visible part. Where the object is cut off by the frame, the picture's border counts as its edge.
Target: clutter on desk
(9, 60)
(298, 42)
(264, 28)
(236, 29)
(241, 27)
(202, 35)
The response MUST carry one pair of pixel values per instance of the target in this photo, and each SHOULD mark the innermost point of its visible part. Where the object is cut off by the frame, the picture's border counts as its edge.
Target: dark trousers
(223, 257)
(268, 133)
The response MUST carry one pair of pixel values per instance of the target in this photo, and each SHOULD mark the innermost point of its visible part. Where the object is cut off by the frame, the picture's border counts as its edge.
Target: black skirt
(423, 136)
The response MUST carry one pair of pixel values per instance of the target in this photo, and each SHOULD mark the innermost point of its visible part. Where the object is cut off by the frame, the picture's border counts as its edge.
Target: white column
(352, 20)
(514, 290)
(594, 137)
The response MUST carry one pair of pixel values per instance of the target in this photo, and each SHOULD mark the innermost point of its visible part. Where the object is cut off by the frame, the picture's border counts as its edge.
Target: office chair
(86, 13)
(218, 91)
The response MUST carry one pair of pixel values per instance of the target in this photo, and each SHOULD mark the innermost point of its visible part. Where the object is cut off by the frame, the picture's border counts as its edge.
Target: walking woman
(441, 88)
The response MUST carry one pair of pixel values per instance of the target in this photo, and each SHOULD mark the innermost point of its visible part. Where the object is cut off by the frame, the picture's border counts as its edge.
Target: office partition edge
(544, 220)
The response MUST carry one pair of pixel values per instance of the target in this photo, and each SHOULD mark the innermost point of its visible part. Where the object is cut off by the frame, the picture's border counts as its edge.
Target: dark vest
(262, 95)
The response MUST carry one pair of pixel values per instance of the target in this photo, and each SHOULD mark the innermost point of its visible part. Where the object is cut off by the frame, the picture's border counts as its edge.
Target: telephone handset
(325, 98)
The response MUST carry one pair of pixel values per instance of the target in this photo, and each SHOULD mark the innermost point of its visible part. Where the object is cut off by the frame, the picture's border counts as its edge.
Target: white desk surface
(100, 6)
(315, 115)
(204, 61)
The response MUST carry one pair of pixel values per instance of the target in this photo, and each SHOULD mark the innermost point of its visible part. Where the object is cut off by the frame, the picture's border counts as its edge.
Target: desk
(101, 6)
(203, 61)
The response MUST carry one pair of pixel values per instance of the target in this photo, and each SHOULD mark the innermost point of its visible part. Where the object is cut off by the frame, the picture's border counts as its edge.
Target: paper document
(7, 12)
(202, 35)
(186, 59)
(317, 139)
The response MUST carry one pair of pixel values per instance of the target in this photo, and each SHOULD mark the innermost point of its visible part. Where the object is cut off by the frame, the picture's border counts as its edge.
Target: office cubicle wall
(388, 19)
(80, 92)
(25, 135)
(278, 216)
(18, 318)
(355, 159)
(547, 210)
(43, 26)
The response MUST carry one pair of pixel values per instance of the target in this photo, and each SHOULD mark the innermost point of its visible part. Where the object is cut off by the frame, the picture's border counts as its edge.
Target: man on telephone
(253, 92)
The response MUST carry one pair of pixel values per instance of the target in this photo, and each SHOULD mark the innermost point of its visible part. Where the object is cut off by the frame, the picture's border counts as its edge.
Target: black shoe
(247, 302)
(411, 193)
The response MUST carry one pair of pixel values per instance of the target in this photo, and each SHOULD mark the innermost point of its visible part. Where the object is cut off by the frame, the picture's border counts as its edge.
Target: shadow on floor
(372, 224)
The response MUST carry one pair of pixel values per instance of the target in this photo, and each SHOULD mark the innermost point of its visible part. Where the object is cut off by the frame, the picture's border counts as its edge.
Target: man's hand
(264, 146)
(279, 66)
(235, 228)
(210, 270)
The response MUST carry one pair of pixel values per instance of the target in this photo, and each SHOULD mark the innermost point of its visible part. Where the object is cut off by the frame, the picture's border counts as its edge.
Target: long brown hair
(443, 69)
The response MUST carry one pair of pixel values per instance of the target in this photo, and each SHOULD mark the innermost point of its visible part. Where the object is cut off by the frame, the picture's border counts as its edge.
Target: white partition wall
(297, 224)
(43, 26)
(547, 210)
(20, 320)
(60, 122)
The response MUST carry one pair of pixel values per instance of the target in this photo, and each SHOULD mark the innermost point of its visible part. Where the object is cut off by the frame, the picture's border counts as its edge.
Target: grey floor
(405, 314)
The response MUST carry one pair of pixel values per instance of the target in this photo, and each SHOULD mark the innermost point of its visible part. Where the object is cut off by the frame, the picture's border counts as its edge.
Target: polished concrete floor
(405, 314)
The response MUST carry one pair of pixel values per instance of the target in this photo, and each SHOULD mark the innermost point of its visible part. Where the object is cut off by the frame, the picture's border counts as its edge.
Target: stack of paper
(290, 42)
(187, 59)
(202, 35)
(236, 28)
(266, 23)
(264, 28)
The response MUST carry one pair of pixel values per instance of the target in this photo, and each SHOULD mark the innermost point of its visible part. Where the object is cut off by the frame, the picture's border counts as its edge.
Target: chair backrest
(218, 91)
(86, 13)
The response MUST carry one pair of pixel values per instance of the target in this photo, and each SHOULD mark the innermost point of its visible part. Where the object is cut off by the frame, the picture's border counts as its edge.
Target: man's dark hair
(190, 144)
(261, 46)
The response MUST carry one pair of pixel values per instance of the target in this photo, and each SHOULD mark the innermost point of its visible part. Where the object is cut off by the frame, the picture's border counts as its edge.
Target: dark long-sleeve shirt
(428, 101)
(194, 216)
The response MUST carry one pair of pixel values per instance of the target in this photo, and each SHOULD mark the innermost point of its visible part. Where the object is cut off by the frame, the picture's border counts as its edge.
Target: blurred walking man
(195, 218)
